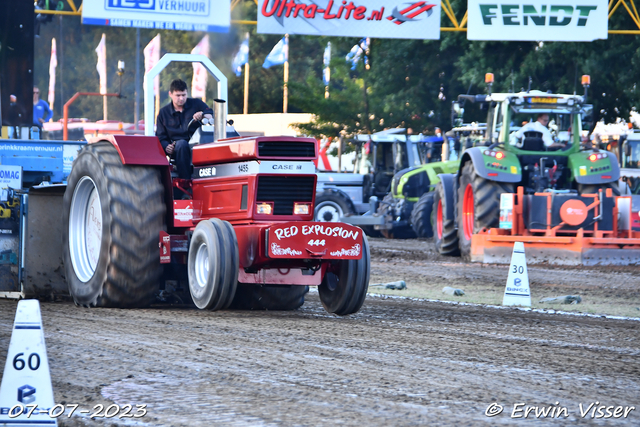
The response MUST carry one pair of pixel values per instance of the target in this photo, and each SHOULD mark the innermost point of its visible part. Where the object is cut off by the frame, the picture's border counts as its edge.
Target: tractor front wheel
(445, 233)
(421, 216)
(593, 188)
(213, 264)
(113, 215)
(344, 291)
(478, 206)
(387, 210)
(331, 205)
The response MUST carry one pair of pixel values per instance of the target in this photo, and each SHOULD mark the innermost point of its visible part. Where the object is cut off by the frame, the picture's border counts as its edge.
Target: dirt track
(397, 362)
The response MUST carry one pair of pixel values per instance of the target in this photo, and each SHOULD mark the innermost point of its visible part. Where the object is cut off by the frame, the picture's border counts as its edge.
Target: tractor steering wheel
(196, 124)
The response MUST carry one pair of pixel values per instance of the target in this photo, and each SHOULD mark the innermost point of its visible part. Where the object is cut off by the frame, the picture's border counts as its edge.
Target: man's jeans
(182, 154)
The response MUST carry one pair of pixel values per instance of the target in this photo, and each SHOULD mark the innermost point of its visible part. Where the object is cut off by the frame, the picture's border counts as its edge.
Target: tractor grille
(287, 149)
(284, 190)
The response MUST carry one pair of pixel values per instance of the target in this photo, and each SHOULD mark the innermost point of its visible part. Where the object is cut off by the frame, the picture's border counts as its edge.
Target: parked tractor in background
(469, 202)
(405, 211)
(378, 158)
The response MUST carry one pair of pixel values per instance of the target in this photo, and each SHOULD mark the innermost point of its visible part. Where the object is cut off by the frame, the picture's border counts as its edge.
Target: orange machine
(563, 228)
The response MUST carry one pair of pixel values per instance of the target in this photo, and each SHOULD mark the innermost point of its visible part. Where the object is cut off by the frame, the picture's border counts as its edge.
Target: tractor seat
(532, 141)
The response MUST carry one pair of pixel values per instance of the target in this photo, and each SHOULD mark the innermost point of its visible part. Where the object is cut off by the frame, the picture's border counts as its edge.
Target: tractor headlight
(264, 208)
(301, 208)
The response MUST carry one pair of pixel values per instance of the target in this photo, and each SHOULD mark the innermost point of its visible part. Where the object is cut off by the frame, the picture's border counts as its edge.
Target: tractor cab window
(400, 158)
(632, 155)
(559, 123)
(362, 162)
(431, 152)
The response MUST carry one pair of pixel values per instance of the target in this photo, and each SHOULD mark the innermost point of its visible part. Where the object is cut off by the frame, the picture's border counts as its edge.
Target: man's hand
(197, 116)
(170, 148)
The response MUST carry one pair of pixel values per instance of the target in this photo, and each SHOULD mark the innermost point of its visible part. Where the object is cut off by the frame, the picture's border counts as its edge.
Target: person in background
(41, 111)
(540, 125)
(14, 118)
(172, 125)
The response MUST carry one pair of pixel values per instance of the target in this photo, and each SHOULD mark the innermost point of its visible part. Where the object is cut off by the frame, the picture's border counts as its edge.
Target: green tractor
(405, 212)
(395, 216)
(469, 201)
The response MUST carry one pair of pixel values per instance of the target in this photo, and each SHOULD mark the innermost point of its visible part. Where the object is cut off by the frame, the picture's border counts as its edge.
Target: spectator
(15, 116)
(41, 111)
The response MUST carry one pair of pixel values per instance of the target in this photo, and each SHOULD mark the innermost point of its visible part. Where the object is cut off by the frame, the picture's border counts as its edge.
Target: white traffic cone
(26, 384)
(517, 292)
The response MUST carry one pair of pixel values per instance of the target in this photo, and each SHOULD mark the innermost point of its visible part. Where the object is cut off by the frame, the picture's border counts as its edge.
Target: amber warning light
(586, 80)
(488, 78)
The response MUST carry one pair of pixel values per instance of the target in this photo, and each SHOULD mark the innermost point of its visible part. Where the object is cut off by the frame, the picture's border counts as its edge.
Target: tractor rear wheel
(344, 292)
(445, 233)
(113, 215)
(275, 297)
(478, 206)
(213, 264)
(593, 188)
(421, 216)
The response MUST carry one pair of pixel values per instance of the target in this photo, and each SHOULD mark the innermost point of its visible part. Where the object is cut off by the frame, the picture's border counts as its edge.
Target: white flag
(151, 58)
(200, 73)
(53, 63)
(101, 50)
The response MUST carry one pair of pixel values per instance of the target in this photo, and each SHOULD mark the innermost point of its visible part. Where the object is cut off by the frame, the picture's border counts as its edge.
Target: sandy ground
(397, 362)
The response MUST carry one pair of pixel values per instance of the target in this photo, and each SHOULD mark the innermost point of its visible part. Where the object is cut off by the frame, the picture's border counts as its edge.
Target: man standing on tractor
(173, 125)
(540, 125)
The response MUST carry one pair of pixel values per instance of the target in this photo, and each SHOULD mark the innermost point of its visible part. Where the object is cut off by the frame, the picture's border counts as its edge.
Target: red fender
(136, 149)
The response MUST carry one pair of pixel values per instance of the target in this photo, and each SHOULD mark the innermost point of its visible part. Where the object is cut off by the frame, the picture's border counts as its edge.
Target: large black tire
(593, 188)
(274, 297)
(112, 216)
(344, 293)
(331, 205)
(421, 216)
(478, 206)
(385, 209)
(445, 232)
(213, 264)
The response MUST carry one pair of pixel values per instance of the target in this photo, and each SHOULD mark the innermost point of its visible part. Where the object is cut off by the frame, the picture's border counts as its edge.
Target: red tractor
(242, 237)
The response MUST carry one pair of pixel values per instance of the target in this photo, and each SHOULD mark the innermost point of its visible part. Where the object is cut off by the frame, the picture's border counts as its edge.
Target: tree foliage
(410, 83)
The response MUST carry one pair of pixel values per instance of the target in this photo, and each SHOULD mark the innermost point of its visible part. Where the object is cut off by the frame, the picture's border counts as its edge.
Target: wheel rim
(439, 221)
(467, 212)
(85, 229)
(328, 212)
(202, 265)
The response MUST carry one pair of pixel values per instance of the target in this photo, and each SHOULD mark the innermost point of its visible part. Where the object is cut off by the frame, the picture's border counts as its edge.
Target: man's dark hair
(177, 86)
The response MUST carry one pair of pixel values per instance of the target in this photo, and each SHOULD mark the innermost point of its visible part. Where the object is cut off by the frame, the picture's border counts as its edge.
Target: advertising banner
(186, 15)
(538, 20)
(11, 177)
(351, 18)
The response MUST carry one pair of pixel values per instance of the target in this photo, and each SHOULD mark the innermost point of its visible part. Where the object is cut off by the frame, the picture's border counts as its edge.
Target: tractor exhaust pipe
(220, 119)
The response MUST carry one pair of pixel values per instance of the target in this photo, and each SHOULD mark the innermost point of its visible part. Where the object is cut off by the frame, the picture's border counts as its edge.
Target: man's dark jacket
(172, 125)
